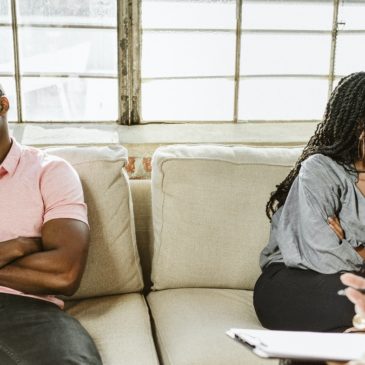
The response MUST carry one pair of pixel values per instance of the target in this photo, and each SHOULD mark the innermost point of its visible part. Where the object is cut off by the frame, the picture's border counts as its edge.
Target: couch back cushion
(142, 207)
(208, 205)
(113, 265)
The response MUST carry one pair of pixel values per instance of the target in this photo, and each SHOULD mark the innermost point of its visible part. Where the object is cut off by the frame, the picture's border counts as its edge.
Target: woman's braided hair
(337, 136)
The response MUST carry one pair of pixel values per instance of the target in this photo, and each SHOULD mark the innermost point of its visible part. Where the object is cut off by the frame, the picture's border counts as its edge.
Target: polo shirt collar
(11, 160)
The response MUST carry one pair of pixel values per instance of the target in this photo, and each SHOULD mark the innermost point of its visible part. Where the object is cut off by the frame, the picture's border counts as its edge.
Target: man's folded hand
(18, 247)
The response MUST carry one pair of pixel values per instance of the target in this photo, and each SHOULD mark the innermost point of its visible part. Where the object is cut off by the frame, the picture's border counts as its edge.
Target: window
(350, 38)
(7, 69)
(188, 60)
(174, 61)
(285, 59)
(67, 59)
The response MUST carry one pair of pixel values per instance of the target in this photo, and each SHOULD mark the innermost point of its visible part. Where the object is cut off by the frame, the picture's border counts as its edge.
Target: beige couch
(200, 235)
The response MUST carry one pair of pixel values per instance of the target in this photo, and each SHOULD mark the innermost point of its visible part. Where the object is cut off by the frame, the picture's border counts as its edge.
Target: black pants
(301, 300)
(34, 332)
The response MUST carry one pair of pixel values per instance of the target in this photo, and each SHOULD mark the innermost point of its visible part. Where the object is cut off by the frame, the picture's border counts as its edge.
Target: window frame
(238, 77)
(129, 35)
(17, 74)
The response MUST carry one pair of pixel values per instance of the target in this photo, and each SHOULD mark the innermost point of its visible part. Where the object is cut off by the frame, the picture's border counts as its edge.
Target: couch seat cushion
(120, 327)
(191, 324)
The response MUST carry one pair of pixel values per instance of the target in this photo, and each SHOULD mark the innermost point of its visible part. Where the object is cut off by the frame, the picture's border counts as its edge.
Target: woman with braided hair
(317, 219)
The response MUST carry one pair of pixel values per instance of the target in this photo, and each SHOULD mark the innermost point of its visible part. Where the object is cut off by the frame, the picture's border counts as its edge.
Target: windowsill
(145, 138)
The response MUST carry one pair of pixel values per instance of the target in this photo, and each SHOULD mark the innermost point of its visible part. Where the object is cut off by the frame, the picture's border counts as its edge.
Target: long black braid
(337, 136)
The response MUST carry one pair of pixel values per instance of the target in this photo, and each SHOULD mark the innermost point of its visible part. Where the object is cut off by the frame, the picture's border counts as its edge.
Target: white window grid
(129, 58)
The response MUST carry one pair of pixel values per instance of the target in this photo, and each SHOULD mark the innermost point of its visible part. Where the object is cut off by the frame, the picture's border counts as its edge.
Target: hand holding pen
(356, 294)
(356, 290)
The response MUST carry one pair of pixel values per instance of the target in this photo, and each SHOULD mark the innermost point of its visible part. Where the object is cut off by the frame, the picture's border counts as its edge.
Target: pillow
(113, 265)
(208, 205)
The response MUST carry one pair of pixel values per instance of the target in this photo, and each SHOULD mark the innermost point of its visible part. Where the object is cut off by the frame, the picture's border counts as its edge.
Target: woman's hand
(335, 225)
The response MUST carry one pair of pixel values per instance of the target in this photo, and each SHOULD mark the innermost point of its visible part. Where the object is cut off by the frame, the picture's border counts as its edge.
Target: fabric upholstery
(141, 195)
(113, 265)
(208, 205)
(190, 325)
(120, 327)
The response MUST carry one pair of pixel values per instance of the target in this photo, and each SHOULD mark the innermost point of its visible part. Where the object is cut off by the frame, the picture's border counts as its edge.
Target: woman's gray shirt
(300, 236)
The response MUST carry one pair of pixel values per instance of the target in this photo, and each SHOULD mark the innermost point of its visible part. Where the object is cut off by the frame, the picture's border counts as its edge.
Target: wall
(142, 140)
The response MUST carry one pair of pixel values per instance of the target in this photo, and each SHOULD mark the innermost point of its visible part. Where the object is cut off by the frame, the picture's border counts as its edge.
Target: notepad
(302, 345)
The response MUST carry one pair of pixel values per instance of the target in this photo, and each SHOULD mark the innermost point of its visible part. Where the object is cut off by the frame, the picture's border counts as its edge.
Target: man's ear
(4, 105)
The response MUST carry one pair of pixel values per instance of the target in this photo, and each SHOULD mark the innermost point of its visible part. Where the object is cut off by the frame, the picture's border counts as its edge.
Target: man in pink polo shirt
(44, 238)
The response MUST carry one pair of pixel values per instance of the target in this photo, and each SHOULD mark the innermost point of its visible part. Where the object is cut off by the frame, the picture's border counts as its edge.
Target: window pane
(335, 82)
(187, 14)
(4, 11)
(278, 14)
(9, 86)
(170, 50)
(68, 12)
(51, 50)
(282, 98)
(188, 54)
(69, 99)
(265, 53)
(6, 53)
(187, 100)
(350, 55)
(352, 13)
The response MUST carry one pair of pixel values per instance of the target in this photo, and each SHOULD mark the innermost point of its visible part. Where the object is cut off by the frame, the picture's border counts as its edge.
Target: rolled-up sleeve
(62, 192)
(318, 195)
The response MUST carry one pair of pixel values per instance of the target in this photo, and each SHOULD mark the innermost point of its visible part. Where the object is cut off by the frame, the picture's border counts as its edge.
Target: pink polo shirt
(34, 188)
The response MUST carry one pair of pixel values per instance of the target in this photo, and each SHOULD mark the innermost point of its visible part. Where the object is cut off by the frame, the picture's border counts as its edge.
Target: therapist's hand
(355, 282)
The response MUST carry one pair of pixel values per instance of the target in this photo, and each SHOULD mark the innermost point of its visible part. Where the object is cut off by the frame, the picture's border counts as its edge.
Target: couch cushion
(141, 195)
(197, 319)
(120, 327)
(113, 265)
(209, 219)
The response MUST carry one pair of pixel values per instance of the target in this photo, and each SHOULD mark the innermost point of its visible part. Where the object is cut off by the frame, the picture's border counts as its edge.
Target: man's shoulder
(41, 162)
(41, 157)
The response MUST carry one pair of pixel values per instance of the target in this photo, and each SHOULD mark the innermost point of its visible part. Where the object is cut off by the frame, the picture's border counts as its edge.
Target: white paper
(302, 345)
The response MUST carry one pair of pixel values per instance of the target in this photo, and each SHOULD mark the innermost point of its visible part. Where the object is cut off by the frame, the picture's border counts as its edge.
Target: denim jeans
(35, 332)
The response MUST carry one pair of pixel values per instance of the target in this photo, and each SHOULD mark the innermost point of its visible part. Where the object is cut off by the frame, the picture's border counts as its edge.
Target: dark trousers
(35, 332)
(301, 300)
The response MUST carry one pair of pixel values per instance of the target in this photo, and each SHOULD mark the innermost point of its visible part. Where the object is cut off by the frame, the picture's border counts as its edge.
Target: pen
(342, 291)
